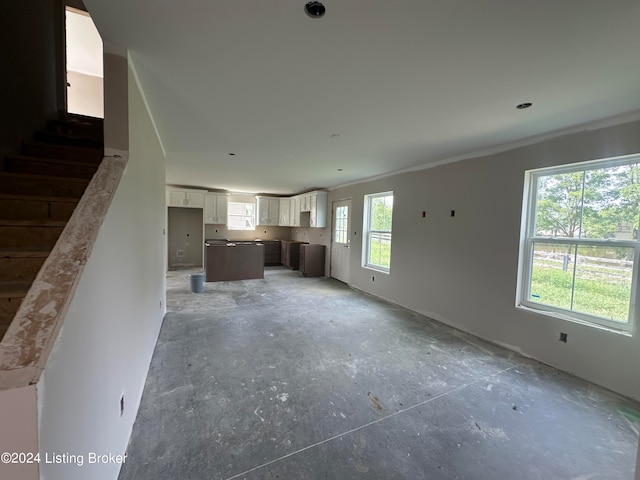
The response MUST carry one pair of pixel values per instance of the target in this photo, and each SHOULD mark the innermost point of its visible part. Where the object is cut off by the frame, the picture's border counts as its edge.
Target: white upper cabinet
(309, 210)
(215, 209)
(268, 210)
(295, 211)
(284, 214)
(182, 197)
(305, 202)
(318, 208)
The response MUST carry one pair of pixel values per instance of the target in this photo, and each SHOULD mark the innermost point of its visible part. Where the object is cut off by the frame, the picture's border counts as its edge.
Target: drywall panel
(90, 390)
(462, 270)
(19, 427)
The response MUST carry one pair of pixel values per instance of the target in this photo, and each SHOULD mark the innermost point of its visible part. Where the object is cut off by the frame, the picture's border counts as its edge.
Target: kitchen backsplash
(261, 232)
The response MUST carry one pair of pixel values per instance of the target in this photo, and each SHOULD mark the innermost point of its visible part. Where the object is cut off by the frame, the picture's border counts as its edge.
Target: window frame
(230, 215)
(366, 237)
(528, 239)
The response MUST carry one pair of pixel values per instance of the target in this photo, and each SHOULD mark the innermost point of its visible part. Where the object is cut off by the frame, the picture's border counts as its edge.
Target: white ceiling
(404, 83)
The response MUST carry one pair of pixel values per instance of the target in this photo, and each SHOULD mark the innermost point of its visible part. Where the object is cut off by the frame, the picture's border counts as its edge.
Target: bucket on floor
(197, 282)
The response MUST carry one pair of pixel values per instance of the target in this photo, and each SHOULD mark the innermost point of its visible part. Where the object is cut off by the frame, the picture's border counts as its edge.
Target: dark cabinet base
(312, 260)
(239, 262)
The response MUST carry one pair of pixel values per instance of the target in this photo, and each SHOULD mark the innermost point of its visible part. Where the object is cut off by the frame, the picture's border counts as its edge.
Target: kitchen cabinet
(312, 260)
(268, 210)
(291, 253)
(215, 209)
(182, 197)
(295, 211)
(305, 203)
(272, 252)
(318, 209)
(284, 212)
(228, 261)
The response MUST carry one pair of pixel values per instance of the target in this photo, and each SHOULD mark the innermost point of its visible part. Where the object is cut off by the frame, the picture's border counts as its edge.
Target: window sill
(377, 269)
(560, 316)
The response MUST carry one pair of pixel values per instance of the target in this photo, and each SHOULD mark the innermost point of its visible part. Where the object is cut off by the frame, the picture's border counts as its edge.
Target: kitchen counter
(233, 261)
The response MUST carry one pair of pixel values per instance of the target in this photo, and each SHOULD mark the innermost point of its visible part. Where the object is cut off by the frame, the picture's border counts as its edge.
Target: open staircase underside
(39, 190)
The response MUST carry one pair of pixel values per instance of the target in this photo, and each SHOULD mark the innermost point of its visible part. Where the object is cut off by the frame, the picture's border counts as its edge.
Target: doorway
(340, 241)
(85, 95)
(186, 237)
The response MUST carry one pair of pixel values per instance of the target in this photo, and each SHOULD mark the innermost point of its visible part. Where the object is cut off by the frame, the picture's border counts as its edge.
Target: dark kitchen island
(234, 261)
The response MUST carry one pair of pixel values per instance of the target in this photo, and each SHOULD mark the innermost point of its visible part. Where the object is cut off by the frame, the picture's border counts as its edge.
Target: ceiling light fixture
(522, 106)
(314, 9)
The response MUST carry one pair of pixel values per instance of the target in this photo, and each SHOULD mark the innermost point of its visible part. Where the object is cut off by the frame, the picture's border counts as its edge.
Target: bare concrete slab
(303, 378)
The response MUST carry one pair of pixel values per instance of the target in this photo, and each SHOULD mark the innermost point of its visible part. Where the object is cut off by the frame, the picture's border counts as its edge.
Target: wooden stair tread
(14, 289)
(33, 223)
(58, 146)
(24, 252)
(37, 198)
(58, 161)
(35, 176)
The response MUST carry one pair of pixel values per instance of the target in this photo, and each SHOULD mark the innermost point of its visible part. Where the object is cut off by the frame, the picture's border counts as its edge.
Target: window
(579, 246)
(241, 216)
(340, 229)
(378, 209)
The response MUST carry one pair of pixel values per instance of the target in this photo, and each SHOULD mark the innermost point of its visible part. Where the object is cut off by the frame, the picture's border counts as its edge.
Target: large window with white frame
(378, 215)
(579, 249)
(241, 216)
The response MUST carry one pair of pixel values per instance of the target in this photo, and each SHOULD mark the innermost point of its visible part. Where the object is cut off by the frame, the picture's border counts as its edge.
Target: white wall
(19, 431)
(463, 270)
(105, 346)
(85, 94)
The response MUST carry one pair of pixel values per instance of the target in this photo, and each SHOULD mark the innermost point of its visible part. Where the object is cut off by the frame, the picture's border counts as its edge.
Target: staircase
(39, 189)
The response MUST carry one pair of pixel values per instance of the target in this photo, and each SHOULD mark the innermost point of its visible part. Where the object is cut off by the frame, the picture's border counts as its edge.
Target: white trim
(366, 232)
(528, 239)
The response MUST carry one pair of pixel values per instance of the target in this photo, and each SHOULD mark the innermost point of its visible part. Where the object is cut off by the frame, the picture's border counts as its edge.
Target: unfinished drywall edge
(25, 348)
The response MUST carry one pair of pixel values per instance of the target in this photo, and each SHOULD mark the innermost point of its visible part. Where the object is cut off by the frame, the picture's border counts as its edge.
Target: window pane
(612, 200)
(380, 249)
(559, 205)
(381, 211)
(241, 216)
(603, 281)
(552, 274)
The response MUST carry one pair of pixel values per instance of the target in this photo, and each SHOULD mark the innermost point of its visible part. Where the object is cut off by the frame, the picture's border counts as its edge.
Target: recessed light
(522, 106)
(314, 9)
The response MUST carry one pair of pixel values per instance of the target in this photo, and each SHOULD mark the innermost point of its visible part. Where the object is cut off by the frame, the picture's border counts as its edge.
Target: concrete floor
(304, 378)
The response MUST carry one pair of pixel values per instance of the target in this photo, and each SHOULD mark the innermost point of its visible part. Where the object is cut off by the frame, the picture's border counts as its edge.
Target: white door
(340, 240)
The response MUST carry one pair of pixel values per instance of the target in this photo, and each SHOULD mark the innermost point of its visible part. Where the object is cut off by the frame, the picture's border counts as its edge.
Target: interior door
(340, 240)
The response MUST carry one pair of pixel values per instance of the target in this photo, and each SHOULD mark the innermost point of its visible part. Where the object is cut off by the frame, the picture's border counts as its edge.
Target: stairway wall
(105, 346)
(32, 88)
